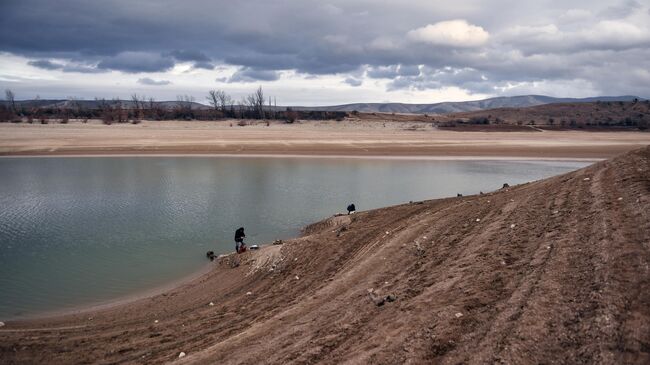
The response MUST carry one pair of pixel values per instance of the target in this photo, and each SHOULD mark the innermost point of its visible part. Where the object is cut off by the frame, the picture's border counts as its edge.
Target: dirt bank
(555, 271)
(355, 138)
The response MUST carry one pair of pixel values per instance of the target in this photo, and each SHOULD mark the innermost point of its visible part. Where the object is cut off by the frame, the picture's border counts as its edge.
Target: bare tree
(243, 106)
(105, 111)
(251, 105)
(118, 111)
(76, 106)
(213, 99)
(220, 101)
(184, 105)
(11, 99)
(155, 110)
(138, 107)
(259, 102)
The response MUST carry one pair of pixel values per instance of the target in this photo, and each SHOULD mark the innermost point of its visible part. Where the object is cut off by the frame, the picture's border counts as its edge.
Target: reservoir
(77, 231)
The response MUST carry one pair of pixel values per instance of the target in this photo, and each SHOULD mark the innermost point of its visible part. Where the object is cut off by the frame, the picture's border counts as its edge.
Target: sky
(305, 52)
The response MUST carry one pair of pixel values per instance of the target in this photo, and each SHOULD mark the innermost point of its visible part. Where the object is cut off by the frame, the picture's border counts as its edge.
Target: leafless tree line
(139, 107)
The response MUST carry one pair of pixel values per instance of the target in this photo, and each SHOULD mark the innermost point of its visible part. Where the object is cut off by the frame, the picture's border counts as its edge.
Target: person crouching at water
(351, 208)
(240, 246)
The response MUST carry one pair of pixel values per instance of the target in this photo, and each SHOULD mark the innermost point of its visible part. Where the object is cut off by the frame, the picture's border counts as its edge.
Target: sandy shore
(554, 271)
(322, 138)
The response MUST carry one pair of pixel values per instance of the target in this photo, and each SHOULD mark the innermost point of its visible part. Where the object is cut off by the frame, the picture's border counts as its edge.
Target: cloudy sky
(325, 52)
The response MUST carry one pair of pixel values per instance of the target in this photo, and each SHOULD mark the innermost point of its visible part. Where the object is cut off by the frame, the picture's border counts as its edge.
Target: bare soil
(554, 271)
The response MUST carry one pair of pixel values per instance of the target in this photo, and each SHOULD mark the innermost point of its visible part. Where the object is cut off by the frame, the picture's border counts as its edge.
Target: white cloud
(603, 35)
(575, 16)
(611, 32)
(453, 33)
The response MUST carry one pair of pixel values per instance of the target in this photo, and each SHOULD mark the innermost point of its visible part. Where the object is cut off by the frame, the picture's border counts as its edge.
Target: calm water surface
(79, 231)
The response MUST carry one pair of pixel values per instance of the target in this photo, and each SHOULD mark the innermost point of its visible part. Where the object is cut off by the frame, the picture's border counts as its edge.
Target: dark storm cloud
(134, 62)
(412, 45)
(190, 56)
(45, 64)
(383, 72)
(199, 59)
(68, 67)
(204, 65)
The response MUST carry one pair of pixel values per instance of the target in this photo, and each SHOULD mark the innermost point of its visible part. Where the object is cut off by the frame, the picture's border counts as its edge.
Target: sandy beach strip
(322, 138)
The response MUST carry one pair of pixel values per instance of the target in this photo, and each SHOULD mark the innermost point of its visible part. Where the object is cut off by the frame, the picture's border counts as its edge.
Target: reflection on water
(85, 230)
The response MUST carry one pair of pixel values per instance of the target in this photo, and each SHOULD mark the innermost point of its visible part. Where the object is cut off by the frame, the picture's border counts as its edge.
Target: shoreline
(196, 275)
(413, 157)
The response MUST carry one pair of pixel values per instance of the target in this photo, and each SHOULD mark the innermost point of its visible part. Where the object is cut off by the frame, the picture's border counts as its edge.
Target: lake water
(85, 230)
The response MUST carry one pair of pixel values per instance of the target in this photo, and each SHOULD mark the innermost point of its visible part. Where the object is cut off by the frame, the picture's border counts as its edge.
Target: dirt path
(555, 271)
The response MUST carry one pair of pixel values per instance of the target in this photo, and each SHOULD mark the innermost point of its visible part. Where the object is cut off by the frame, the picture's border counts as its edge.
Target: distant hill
(464, 106)
(401, 108)
(95, 104)
(576, 114)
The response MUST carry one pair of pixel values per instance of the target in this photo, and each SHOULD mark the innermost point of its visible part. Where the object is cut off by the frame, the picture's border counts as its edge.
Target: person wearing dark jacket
(240, 246)
(351, 208)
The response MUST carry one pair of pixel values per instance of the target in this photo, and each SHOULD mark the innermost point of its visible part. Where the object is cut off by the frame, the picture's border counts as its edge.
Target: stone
(211, 304)
(513, 225)
(249, 293)
(156, 321)
(182, 354)
(390, 298)
(2, 324)
(297, 277)
(586, 179)
(458, 315)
